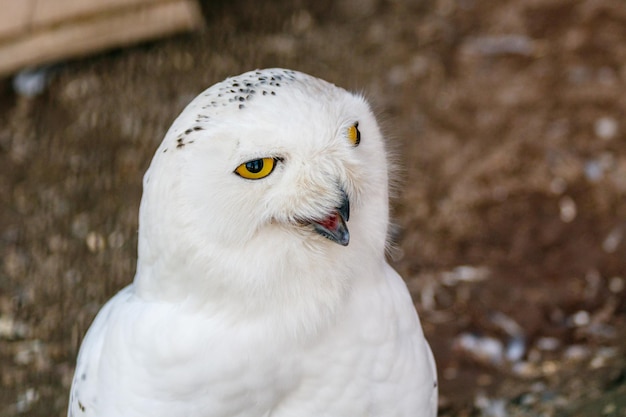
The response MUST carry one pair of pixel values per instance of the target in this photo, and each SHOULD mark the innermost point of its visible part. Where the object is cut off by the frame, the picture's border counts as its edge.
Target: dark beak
(334, 227)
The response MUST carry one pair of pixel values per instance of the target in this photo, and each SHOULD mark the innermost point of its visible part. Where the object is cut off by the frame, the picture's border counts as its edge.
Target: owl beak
(334, 227)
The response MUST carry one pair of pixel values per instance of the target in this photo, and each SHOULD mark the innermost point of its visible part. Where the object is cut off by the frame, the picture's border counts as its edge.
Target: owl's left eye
(354, 135)
(256, 169)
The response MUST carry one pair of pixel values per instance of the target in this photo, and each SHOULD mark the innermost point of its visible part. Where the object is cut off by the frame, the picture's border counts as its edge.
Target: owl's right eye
(256, 169)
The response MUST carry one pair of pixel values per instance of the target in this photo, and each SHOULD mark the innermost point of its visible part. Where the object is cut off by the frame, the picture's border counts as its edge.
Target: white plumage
(248, 300)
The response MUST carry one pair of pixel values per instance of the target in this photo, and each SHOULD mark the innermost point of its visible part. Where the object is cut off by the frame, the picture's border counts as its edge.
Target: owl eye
(256, 169)
(354, 135)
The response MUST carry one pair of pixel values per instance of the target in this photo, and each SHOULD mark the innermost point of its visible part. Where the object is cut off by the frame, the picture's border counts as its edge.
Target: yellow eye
(354, 135)
(256, 169)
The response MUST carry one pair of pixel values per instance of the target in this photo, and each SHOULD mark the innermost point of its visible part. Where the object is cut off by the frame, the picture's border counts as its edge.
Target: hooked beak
(334, 227)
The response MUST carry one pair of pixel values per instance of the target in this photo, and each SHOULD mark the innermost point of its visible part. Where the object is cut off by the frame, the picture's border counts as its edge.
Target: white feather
(238, 307)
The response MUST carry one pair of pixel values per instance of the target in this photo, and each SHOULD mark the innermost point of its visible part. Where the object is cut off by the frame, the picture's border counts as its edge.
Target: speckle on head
(236, 91)
(242, 87)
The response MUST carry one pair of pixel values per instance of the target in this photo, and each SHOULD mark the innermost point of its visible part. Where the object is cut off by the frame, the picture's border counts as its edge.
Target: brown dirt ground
(506, 118)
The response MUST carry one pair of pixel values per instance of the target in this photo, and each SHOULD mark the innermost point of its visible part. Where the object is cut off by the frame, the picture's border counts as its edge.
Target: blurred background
(506, 119)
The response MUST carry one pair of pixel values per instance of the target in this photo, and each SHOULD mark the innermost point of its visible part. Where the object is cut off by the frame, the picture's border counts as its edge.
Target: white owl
(251, 297)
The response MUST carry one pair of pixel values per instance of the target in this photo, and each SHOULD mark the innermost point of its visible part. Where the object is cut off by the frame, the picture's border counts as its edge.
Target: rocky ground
(507, 121)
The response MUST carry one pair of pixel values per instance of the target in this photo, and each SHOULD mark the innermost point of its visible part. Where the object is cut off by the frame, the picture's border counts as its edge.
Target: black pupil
(255, 166)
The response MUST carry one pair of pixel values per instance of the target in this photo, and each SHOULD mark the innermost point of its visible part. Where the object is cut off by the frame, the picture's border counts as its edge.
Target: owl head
(271, 186)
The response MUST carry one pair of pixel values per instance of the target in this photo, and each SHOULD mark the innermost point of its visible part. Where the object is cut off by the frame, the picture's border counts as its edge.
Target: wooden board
(54, 11)
(14, 16)
(76, 29)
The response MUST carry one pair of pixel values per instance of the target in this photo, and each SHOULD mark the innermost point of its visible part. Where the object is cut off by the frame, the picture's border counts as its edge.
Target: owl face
(271, 159)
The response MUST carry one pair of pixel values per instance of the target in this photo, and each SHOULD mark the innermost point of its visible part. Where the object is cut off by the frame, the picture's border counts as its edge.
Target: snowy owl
(262, 287)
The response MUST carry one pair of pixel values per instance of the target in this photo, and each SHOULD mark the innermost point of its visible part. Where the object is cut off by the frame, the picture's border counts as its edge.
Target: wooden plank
(53, 11)
(15, 16)
(76, 38)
